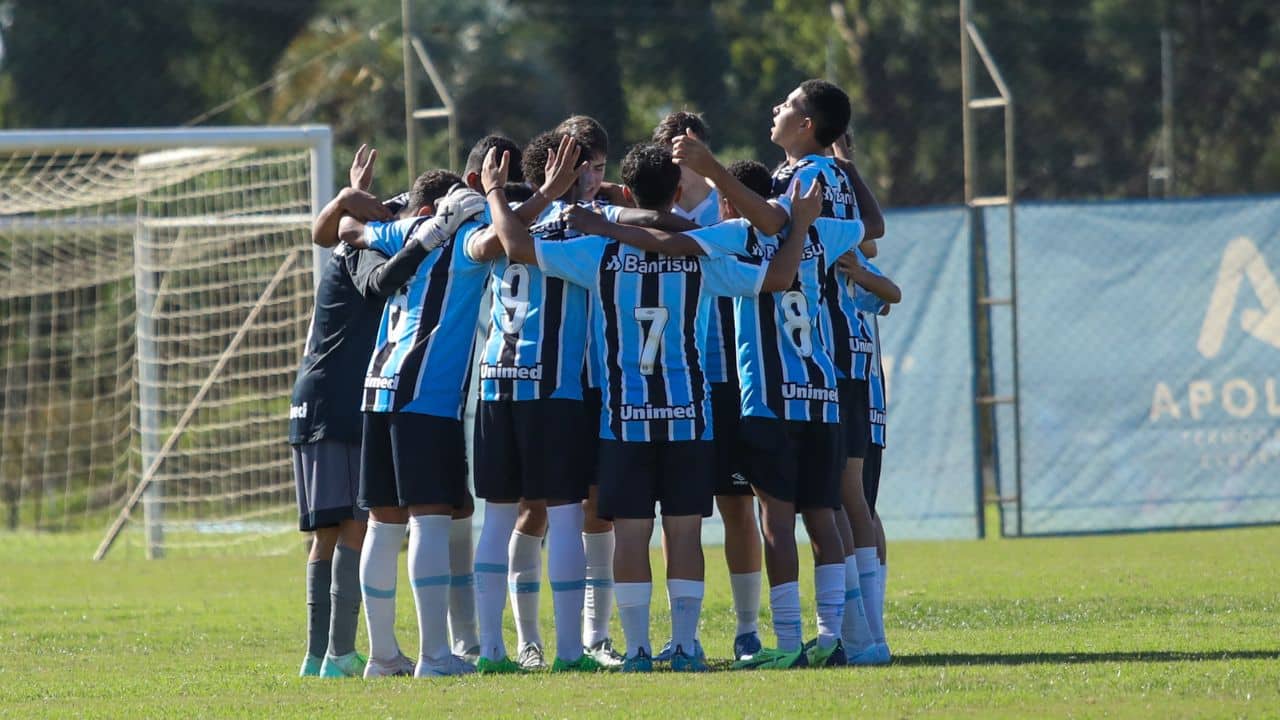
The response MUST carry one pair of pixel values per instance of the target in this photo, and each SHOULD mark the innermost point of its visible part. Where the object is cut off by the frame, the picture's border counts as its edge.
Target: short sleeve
(388, 238)
(576, 259)
(864, 299)
(610, 212)
(840, 236)
(805, 176)
(732, 275)
(462, 240)
(726, 238)
(366, 263)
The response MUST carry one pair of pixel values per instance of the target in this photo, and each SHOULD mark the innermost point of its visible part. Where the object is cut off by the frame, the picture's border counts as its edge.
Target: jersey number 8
(799, 328)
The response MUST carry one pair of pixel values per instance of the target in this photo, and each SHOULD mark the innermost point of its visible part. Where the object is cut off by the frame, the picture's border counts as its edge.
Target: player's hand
(806, 207)
(585, 220)
(494, 173)
(562, 169)
(361, 173)
(688, 151)
(849, 265)
(885, 310)
(363, 206)
(613, 194)
(459, 206)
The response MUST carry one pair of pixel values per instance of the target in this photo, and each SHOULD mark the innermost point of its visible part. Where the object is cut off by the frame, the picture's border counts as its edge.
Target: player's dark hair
(475, 160)
(587, 132)
(650, 174)
(429, 187)
(676, 123)
(828, 107)
(534, 163)
(517, 192)
(754, 175)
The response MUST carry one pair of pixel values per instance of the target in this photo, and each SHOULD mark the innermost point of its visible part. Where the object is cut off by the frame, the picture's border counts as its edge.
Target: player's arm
(561, 172)
(657, 219)
(647, 239)
(354, 200)
(868, 206)
(878, 285)
(511, 233)
(768, 217)
(785, 264)
(613, 193)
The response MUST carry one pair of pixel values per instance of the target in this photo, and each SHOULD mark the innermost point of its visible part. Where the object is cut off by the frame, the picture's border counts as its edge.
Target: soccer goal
(155, 293)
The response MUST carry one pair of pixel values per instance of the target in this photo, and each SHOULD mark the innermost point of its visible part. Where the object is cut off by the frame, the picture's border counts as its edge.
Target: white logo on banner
(1241, 261)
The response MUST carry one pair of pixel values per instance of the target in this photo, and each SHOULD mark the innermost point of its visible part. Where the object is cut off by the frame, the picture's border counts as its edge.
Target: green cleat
(343, 666)
(310, 666)
(584, 663)
(503, 666)
(818, 656)
(787, 660)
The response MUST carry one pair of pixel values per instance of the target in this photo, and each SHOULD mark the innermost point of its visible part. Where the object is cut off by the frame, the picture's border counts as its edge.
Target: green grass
(1161, 625)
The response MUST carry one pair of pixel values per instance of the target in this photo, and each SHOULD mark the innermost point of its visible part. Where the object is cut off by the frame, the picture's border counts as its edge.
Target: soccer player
(699, 202)
(324, 432)
(413, 458)
(527, 436)
(650, 314)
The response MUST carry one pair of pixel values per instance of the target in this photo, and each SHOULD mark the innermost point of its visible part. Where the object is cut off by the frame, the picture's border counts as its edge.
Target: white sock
(462, 587)
(884, 578)
(685, 597)
(566, 568)
(828, 582)
(524, 580)
(597, 604)
(491, 576)
(854, 630)
(784, 602)
(869, 583)
(633, 609)
(746, 600)
(429, 575)
(378, 586)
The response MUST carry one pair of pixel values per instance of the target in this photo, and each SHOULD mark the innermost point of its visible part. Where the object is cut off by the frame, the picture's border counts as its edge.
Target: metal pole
(1010, 188)
(410, 96)
(966, 94)
(149, 421)
(1166, 82)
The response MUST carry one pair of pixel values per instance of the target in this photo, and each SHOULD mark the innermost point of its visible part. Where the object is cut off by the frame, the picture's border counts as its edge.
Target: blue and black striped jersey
(718, 360)
(869, 306)
(649, 315)
(537, 325)
(427, 332)
(784, 368)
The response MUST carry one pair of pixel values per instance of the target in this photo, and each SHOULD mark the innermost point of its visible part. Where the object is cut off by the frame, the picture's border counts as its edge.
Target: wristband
(495, 187)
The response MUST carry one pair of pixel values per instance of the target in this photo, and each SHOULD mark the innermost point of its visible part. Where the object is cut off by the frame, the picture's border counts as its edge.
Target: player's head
(752, 174)
(534, 162)
(593, 142)
(651, 178)
(678, 123)
(427, 189)
(814, 114)
(475, 160)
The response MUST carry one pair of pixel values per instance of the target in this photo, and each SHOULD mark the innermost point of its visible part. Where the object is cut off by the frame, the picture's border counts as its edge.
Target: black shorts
(799, 462)
(592, 406)
(412, 459)
(731, 471)
(855, 417)
(636, 475)
(530, 449)
(871, 475)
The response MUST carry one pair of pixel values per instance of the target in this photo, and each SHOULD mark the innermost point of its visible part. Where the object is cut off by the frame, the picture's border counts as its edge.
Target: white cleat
(399, 666)
(449, 665)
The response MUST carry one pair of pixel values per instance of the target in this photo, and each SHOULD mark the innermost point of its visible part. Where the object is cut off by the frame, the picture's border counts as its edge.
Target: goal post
(157, 287)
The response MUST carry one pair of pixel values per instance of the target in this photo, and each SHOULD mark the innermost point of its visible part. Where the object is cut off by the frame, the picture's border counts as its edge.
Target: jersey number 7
(657, 319)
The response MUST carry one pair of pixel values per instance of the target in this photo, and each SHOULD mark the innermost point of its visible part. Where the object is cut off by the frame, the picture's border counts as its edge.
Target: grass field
(1161, 625)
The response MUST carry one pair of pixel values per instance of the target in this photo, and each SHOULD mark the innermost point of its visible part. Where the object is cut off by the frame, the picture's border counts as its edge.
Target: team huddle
(697, 336)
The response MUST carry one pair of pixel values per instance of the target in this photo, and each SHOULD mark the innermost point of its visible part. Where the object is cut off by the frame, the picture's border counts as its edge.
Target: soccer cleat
(818, 656)
(603, 653)
(746, 645)
(584, 663)
(680, 662)
(504, 666)
(638, 663)
(399, 666)
(449, 665)
(874, 654)
(531, 658)
(343, 666)
(471, 654)
(310, 666)
(783, 660)
(668, 651)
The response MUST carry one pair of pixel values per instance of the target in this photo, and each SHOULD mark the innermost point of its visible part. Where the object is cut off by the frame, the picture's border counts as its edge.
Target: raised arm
(353, 201)
(769, 218)
(647, 239)
(509, 230)
(868, 206)
(785, 264)
(562, 171)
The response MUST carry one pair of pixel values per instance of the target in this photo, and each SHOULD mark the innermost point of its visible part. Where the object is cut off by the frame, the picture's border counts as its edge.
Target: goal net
(155, 293)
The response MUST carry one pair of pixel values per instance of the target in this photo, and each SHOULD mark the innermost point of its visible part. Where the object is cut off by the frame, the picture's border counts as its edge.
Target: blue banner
(1149, 344)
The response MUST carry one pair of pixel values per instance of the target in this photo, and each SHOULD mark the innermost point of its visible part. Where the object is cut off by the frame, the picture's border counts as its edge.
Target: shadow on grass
(945, 659)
